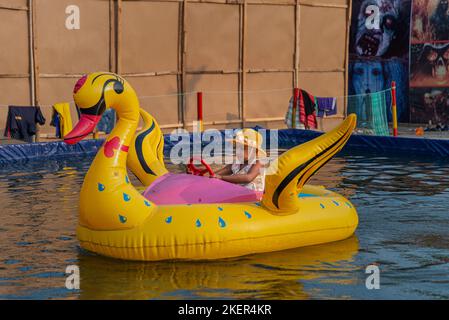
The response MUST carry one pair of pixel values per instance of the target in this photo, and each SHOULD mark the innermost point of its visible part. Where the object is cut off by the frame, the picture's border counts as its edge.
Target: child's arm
(226, 170)
(243, 178)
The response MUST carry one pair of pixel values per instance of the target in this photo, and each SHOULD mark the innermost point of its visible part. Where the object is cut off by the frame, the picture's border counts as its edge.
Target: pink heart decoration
(110, 147)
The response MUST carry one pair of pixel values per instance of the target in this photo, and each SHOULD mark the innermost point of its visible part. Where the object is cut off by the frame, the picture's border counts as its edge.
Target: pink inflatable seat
(190, 189)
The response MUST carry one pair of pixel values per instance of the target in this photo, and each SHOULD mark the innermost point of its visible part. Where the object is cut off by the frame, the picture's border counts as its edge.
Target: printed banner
(429, 62)
(379, 51)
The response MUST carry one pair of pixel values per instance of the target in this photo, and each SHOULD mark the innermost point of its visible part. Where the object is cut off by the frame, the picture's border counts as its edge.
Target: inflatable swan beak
(89, 117)
(85, 126)
(291, 171)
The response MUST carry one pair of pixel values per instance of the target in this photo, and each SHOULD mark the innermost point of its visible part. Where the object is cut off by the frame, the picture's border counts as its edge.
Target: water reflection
(404, 218)
(277, 275)
(382, 175)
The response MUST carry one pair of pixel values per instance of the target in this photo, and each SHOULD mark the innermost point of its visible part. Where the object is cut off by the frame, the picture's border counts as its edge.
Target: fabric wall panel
(273, 102)
(270, 37)
(14, 49)
(72, 51)
(14, 91)
(149, 36)
(156, 95)
(322, 42)
(212, 37)
(217, 105)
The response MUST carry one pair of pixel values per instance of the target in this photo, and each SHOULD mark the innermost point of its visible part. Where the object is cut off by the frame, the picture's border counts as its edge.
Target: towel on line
(326, 106)
(62, 119)
(21, 122)
(305, 117)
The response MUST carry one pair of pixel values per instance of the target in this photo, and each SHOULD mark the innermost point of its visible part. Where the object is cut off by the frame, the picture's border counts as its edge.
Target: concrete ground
(408, 130)
(5, 140)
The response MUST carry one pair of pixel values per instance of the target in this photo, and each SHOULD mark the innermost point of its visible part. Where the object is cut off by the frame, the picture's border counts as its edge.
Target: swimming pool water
(403, 208)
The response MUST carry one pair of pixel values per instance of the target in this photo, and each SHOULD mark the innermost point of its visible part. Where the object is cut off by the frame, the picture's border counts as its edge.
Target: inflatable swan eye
(118, 87)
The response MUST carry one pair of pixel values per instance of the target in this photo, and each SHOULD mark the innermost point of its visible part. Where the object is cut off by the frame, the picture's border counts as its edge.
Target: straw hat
(250, 138)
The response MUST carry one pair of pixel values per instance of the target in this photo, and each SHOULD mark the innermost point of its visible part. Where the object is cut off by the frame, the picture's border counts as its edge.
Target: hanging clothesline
(216, 92)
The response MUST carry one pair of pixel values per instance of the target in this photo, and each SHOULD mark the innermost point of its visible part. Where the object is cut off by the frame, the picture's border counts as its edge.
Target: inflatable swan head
(90, 95)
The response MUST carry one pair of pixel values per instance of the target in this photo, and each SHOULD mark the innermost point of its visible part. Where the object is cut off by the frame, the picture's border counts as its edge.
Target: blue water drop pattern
(306, 195)
(221, 222)
(322, 206)
(336, 203)
(169, 219)
(348, 204)
(147, 203)
(126, 179)
(126, 197)
(220, 208)
(198, 223)
(101, 187)
(122, 219)
(258, 204)
(248, 215)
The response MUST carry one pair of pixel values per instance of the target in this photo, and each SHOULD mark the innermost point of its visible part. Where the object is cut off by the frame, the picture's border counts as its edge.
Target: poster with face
(380, 28)
(430, 20)
(429, 65)
(379, 50)
(429, 61)
(430, 104)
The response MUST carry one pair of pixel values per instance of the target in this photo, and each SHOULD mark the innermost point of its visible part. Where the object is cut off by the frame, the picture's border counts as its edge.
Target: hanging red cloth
(307, 114)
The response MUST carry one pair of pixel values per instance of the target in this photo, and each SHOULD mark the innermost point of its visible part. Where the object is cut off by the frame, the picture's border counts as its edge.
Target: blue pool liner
(400, 146)
(287, 139)
(45, 150)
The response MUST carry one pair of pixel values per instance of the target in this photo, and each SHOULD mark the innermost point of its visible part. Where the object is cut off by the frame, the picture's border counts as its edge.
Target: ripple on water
(402, 206)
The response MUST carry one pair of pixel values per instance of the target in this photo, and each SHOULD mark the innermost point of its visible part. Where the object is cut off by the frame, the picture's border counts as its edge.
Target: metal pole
(199, 108)
(294, 108)
(30, 34)
(394, 109)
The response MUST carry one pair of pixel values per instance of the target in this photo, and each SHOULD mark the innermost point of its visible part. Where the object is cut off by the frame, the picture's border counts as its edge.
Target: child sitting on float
(247, 169)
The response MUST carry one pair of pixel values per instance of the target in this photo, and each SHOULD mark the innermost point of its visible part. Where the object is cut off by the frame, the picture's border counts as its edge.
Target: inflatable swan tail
(296, 166)
(146, 152)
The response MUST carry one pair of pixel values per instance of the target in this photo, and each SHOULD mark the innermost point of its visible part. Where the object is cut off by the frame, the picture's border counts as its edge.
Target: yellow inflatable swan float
(116, 220)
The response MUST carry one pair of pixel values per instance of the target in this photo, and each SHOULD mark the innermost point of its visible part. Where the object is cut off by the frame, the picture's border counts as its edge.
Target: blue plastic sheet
(287, 139)
(374, 144)
(45, 150)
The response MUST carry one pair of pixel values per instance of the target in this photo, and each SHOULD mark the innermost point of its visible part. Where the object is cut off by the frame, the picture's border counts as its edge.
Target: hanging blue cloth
(21, 122)
(55, 122)
(326, 106)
